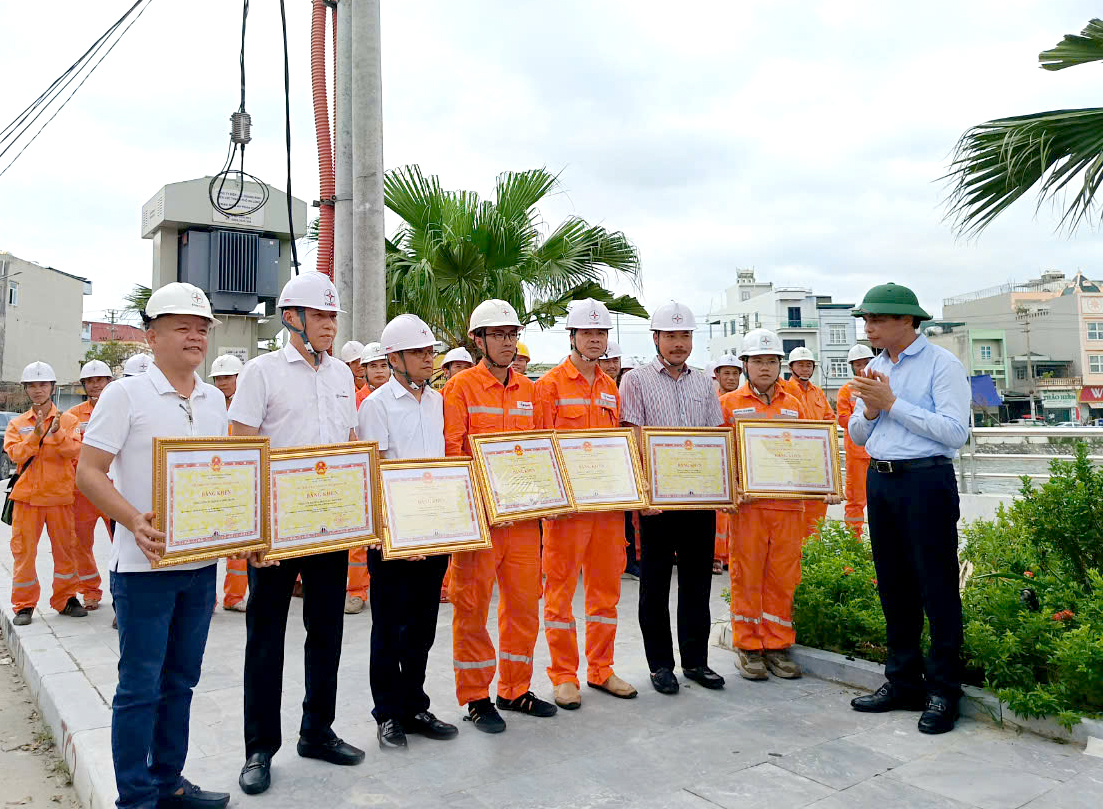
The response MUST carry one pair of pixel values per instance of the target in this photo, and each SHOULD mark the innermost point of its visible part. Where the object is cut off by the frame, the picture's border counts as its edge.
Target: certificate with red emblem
(324, 498)
(210, 496)
(603, 468)
(689, 468)
(788, 459)
(522, 475)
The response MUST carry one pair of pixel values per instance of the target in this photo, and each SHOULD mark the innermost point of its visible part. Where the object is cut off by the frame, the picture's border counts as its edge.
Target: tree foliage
(114, 353)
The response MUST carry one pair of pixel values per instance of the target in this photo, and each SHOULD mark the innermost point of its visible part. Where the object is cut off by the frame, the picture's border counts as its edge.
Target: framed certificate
(324, 498)
(522, 475)
(210, 495)
(603, 468)
(431, 506)
(689, 467)
(788, 459)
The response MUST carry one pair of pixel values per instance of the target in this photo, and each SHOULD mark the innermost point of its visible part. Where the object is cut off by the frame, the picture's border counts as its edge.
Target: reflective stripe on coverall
(236, 585)
(723, 531)
(43, 496)
(816, 407)
(476, 402)
(85, 516)
(358, 572)
(593, 543)
(764, 553)
(857, 465)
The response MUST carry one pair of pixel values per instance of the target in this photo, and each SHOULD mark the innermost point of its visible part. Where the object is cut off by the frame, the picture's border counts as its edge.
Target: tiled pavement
(776, 745)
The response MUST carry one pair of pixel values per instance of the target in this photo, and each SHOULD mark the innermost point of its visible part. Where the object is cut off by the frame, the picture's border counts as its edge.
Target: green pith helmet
(890, 299)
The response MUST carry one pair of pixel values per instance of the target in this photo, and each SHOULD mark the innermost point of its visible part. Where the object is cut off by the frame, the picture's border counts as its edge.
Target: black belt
(890, 467)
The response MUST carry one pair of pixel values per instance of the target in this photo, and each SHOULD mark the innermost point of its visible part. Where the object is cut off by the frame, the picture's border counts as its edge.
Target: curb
(978, 704)
(69, 706)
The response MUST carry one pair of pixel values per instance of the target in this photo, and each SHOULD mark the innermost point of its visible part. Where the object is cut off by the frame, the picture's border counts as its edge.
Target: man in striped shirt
(668, 393)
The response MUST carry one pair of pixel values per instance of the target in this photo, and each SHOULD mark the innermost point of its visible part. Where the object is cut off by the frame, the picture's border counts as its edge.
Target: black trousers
(691, 535)
(913, 530)
(325, 576)
(405, 600)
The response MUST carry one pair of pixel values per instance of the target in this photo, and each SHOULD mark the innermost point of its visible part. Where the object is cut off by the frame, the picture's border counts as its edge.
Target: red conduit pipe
(325, 146)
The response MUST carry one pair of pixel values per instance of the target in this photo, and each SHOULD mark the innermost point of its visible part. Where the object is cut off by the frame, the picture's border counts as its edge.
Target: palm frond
(518, 191)
(137, 299)
(996, 162)
(1075, 50)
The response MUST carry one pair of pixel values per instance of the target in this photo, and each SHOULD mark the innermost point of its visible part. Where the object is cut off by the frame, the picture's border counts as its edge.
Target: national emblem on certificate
(689, 468)
(324, 498)
(603, 468)
(788, 459)
(210, 496)
(522, 475)
(431, 506)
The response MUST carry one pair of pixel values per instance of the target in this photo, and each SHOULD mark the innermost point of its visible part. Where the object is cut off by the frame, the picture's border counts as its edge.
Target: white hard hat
(460, 354)
(351, 351)
(801, 353)
(372, 352)
(727, 360)
(759, 342)
(179, 298)
(225, 365)
(406, 332)
(138, 364)
(710, 368)
(493, 312)
(612, 351)
(673, 316)
(627, 362)
(311, 290)
(38, 372)
(94, 368)
(588, 314)
(859, 352)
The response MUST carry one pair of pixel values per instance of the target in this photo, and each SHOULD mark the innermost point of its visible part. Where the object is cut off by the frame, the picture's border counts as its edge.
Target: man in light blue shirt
(912, 415)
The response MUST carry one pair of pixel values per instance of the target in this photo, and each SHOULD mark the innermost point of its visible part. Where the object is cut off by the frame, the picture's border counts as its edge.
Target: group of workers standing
(303, 395)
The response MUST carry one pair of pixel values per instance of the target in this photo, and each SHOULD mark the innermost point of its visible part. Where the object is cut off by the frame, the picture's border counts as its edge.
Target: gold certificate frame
(689, 467)
(210, 495)
(788, 459)
(324, 498)
(603, 468)
(521, 475)
(431, 506)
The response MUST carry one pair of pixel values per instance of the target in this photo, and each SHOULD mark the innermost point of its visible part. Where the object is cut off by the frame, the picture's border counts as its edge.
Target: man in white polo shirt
(296, 396)
(406, 417)
(163, 614)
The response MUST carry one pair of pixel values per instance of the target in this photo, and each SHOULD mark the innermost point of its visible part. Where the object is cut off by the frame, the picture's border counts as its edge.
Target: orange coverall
(723, 532)
(236, 585)
(817, 407)
(85, 516)
(358, 557)
(43, 495)
(593, 542)
(764, 554)
(476, 402)
(857, 464)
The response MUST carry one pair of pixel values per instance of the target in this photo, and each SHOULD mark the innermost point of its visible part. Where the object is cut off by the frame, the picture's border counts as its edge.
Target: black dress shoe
(704, 676)
(939, 715)
(256, 775)
(335, 751)
(527, 703)
(664, 681)
(391, 735)
(427, 725)
(888, 698)
(192, 797)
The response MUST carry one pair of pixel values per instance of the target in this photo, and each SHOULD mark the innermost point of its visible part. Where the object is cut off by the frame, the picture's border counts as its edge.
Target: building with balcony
(981, 351)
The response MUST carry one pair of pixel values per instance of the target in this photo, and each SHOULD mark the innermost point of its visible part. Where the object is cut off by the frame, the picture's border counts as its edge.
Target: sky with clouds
(802, 139)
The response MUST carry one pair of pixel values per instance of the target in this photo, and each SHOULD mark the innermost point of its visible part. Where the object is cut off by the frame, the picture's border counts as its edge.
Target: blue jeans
(163, 617)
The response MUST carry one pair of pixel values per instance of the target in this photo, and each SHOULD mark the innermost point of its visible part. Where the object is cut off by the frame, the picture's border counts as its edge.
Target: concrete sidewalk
(773, 744)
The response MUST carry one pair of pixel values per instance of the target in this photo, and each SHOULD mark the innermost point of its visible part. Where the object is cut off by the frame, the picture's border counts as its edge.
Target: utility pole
(111, 316)
(1025, 315)
(343, 275)
(369, 305)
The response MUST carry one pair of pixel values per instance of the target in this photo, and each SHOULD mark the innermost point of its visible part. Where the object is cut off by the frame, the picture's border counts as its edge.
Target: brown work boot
(91, 604)
(237, 606)
(781, 665)
(616, 686)
(567, 696)
(750, 664)
(353, 605)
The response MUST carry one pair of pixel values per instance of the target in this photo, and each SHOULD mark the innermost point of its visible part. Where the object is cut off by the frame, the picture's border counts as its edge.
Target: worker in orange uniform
(857, 459)
(486, 398)
(43, 443)
(373, 363)
(727, 371)
(765, 551)
(577, 394)
(521, 361)
(94, 377)
(802, 364)
(223, 375)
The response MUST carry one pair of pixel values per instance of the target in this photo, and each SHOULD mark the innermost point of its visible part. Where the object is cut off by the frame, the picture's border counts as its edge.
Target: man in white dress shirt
(406, 417)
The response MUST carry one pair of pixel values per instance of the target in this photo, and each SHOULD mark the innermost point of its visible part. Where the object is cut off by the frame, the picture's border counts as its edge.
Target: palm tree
(455, 250)
(996, 162)
(137, 299)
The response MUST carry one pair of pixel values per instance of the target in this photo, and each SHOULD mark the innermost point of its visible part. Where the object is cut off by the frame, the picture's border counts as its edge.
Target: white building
(797, 314)
(40, 318)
